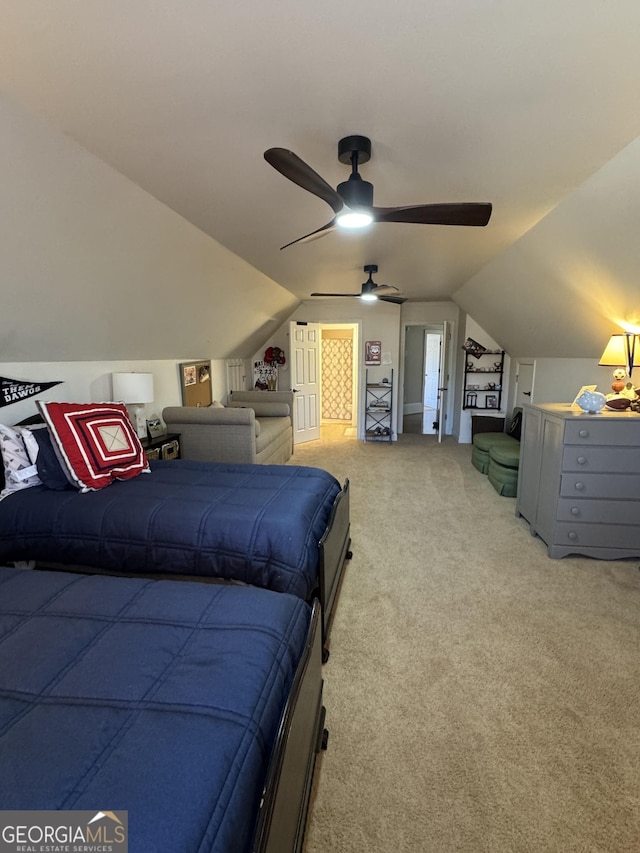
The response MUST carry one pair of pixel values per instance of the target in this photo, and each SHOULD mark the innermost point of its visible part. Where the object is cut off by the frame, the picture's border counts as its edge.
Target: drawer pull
(581, 460)
(575, 510)
(580, 487)
(583, 433)
(573, 536)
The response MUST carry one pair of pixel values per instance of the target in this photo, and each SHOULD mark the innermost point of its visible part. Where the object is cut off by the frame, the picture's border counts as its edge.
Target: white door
(444, 379)
(524, 382)
(304, 352)
(433, 344)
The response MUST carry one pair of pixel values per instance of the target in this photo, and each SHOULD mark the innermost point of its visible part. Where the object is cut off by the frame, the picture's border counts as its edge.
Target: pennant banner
(13, 390)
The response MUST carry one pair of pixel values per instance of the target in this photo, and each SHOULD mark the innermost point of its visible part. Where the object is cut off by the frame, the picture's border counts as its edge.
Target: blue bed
(172, 701)
(279, 527)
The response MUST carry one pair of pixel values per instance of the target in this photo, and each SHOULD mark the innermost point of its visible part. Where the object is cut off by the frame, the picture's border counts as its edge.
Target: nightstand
(165, 446)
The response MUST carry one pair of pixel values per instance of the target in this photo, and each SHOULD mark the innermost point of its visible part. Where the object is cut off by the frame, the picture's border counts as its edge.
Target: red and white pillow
(95, 442)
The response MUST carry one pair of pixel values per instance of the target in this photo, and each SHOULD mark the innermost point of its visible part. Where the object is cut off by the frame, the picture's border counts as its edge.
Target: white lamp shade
(133, 387)
(622, 351)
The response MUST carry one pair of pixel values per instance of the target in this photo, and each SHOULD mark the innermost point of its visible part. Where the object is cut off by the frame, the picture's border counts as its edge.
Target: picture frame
(155, 427)
(265, 376)
(491, 401)
(189, 375)
(372, 353)
(473, 348)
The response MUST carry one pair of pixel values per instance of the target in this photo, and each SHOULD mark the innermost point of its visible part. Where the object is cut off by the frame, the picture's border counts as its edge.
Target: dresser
(579, 480)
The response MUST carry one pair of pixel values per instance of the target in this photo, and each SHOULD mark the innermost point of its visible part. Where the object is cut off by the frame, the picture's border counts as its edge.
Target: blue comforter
(160, 698)
(258, 524)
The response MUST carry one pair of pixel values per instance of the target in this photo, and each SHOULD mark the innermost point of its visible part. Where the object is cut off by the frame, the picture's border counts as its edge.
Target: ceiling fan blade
(397, 300)
(456, 213)
(313, 235)
(386, 290)
(356, 295)
(296, 170)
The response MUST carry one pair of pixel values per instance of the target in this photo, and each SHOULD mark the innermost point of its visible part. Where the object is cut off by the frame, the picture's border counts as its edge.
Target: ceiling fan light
(368, 297)
(354, 219)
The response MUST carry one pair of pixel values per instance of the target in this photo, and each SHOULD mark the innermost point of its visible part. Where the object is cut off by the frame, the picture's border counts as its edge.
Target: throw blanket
(257, 524)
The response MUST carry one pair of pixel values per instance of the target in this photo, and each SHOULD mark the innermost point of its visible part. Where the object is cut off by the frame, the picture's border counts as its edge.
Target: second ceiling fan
(372, 292)
(352, 201)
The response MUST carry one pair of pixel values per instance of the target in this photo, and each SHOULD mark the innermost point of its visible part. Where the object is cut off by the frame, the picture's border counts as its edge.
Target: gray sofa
(256, 427)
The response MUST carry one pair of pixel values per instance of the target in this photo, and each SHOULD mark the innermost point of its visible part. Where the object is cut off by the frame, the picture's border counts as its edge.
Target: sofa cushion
(504, 480)
(480, 459)
(486, 440)
(270, 429)
(506, 454)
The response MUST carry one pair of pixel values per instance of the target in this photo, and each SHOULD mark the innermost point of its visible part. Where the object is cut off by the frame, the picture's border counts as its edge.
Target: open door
(444, 378)
(304, 354)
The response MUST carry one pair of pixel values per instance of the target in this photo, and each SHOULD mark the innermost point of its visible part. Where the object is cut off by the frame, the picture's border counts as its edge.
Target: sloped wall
(561, 289)
(94, 268)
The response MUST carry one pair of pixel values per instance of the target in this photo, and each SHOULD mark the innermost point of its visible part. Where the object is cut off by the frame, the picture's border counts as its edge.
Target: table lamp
(623, 353)
(134, 389)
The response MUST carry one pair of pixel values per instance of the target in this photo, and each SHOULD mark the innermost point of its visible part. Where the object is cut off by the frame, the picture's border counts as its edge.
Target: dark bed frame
(284, 807)
(335, 550)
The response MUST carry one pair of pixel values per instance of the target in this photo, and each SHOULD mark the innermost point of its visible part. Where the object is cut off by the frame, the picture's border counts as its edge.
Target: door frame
(529, 362)
(448, 329)
(355, 366)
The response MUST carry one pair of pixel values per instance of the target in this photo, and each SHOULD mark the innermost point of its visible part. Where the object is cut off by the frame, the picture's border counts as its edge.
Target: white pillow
(216, 405)
(19, 471)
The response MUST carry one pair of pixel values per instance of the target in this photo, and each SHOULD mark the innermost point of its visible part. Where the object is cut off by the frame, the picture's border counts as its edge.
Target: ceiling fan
(372, 292)
(352, 201)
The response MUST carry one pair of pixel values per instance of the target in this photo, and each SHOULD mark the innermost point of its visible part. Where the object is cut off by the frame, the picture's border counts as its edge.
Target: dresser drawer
(598, 536)
(621, 486)
(613, 460)
(598, 511)
(604, 431)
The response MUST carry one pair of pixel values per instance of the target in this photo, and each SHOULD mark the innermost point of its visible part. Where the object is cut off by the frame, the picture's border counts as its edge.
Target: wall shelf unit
(483, 381)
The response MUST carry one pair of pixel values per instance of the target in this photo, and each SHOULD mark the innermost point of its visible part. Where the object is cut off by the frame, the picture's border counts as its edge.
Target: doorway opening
(339, 377)
(422, 386)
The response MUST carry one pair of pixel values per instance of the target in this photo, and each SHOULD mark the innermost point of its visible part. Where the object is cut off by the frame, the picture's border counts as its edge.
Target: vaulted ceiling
(516, 103)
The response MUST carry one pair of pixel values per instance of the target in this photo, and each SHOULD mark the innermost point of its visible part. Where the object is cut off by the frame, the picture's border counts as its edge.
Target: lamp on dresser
(134, 390)
(623, 353)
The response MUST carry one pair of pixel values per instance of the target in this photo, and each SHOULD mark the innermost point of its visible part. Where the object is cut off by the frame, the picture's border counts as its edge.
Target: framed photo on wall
(491, 401)
(372, 352)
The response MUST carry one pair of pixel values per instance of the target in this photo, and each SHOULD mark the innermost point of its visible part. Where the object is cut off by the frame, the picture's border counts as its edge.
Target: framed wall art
(372, 353)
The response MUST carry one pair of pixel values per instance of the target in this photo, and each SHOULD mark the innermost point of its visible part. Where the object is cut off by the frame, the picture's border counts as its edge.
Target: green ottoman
(504, 460)
(482, 444)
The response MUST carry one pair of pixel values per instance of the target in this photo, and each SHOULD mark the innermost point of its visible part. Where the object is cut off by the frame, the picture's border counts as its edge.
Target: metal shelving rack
(378, 410)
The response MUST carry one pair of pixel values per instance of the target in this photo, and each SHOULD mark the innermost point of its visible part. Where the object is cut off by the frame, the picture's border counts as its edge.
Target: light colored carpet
(480, 696)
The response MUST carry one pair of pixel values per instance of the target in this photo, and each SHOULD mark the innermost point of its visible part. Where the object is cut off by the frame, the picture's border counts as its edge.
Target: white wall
(90, 381)
(559, 380)
(94, 268)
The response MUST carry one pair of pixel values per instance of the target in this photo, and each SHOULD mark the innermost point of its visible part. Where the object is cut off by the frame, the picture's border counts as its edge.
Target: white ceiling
(506, 101)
